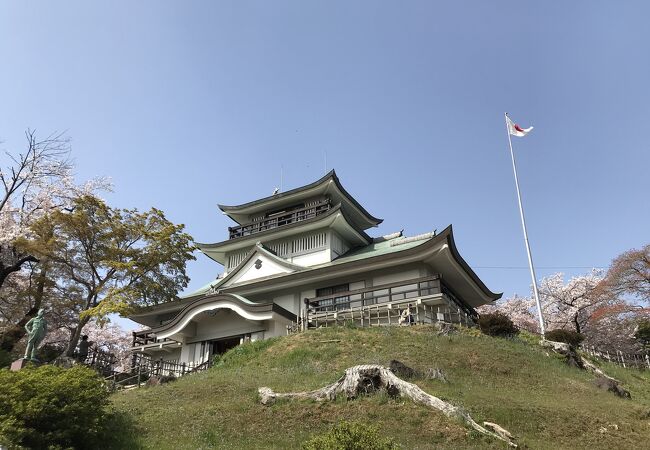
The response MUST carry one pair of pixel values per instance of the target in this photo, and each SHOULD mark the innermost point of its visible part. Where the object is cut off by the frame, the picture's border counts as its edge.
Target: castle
(302, 259)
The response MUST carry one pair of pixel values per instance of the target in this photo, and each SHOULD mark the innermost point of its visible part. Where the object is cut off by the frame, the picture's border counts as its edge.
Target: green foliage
(5, 359)
(243, 352)
(109, 260)
(51, 407)
(497, 324)
(567, 336)
(49, 352)
(350, 436)
(643, 333)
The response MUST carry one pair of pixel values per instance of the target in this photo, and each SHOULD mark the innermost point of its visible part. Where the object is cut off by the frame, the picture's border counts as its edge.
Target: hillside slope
(514, 383)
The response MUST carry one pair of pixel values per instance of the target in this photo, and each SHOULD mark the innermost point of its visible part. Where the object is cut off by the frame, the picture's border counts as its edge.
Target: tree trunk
(11, 337)
(16, 332)
(367, 379)
(5, 271)
(74, 337)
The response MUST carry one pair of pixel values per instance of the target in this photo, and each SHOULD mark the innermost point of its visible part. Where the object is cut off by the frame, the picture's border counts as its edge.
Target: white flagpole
(523, 224)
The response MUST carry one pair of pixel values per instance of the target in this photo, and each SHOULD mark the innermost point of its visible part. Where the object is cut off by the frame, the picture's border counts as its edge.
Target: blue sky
(190, 104)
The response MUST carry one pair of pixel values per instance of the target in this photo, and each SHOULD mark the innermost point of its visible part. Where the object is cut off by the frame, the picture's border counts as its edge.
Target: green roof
(374, 249)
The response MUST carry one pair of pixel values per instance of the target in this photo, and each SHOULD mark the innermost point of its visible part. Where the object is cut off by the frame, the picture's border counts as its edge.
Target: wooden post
(647, 360)
(622, 359)
(139, 371)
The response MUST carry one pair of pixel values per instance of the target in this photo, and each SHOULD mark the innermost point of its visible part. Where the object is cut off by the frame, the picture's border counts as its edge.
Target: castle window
(334, 303)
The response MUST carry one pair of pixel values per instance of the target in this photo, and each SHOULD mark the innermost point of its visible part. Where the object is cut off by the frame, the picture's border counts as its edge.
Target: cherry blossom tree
(570, 305)
(33, 184)
(519, 309)
(629, 274)
(579, 304)
(107, 337)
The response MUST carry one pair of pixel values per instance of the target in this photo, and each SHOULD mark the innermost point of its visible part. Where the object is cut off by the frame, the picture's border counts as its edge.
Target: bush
(497, 324)
(52, 407)
(642, 333)
(567, 336)
(350, 436)
(49, 352)
(5, 359)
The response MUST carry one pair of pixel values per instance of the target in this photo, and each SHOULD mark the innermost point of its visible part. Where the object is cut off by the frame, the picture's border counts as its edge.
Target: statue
(36, 329)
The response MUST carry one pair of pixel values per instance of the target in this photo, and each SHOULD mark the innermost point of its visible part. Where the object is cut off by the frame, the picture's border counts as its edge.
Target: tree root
(366, 379)
(566, 350)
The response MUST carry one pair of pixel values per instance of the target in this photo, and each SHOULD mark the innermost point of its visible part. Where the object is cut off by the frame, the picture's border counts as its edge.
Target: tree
(629, 274)
(32, 184)
(106, 336)
(519, 309)
(580, 305)
(642, 333)
(109, 260)
(571, 305)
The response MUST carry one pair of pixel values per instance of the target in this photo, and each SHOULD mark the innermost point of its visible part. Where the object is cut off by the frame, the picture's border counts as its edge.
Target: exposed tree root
(366, 379)
(566, 350)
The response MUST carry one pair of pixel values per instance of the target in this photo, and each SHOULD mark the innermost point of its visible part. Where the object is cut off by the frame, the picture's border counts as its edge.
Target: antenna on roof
(281, 177)
(325, 155)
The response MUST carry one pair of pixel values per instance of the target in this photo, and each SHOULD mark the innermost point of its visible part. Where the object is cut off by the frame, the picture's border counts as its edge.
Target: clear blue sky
(190, 104)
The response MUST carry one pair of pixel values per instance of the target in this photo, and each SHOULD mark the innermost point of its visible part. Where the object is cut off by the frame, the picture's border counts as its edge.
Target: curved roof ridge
(330, 176)
(226, 208)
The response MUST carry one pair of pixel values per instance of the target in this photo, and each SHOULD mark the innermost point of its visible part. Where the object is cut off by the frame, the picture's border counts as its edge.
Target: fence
(627, 360)
(144, 367)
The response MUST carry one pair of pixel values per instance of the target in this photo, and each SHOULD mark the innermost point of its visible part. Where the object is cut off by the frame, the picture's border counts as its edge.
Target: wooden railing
(144, 367)
(385, 293)
(280, 219)
(145, 337)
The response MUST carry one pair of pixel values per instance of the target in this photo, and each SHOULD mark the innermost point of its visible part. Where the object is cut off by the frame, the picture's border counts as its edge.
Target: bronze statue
(36, 329)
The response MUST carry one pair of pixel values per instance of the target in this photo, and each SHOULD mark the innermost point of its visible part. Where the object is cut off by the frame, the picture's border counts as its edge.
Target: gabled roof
(257, 250)
(329, 184)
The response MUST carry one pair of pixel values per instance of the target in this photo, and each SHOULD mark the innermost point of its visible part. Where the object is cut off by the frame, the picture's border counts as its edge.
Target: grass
(544, 403)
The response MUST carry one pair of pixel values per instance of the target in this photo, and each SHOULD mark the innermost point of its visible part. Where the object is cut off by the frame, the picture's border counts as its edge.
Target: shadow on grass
(120, 432)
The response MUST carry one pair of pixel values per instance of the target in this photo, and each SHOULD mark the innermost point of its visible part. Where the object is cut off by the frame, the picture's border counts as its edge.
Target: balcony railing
(415, 301)
(145, 337)
(280, 219)
(385, 293)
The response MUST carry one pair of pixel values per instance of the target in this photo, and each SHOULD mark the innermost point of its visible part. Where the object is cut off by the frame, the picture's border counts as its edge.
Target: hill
(515, 383)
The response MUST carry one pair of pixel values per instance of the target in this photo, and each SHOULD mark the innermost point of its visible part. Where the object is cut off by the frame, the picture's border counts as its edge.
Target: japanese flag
(515, 129)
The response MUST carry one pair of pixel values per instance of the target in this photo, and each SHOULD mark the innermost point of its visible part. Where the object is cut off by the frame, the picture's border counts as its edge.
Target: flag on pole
(515, 129)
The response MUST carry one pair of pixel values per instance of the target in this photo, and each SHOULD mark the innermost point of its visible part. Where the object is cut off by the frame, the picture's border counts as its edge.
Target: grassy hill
(544, 403)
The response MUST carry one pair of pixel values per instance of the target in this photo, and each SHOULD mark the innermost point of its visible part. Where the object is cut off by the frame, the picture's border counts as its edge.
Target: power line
(539, 267)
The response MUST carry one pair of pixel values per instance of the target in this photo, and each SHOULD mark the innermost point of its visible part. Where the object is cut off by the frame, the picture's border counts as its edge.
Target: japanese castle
(302, 259)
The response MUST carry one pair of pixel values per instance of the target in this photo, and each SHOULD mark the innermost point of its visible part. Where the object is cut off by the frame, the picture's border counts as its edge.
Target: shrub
(567, 336)
(642, 333)
(5, 359)
(497, 324)
(51, 407)
(49, 352)
(350, 436)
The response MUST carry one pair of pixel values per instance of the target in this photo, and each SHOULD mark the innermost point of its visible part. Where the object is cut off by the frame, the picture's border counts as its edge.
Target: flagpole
(523, 224)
